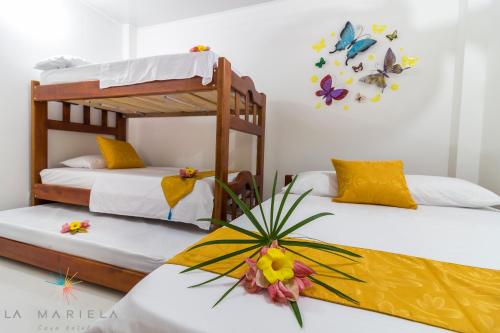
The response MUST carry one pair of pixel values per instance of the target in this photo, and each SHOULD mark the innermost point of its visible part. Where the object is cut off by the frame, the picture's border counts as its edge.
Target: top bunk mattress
(140, 70)
(134, 243)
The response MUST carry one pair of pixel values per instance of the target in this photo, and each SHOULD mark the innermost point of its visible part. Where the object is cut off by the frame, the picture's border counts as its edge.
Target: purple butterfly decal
(328, 92)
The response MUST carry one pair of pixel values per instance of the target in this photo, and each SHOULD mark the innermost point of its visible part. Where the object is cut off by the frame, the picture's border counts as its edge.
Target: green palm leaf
(296, 312)
(302, 223)
(289, 213)
(259, 202)
(333, 290)
(227, 292)
(243, 207)
(350, 277)
(272, 199)
(282, 204)
(220, 258)
(234, 227)
(225, 273)
(227, 241)
(319, 246)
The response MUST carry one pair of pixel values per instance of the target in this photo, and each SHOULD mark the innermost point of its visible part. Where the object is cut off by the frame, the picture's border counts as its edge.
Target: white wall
(31, 30)
(272, 43)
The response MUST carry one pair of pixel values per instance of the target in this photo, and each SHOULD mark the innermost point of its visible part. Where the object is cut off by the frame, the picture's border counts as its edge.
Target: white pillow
(87, 162)
(452, 192)
(323, 183)
(58, 62)
(425, 190)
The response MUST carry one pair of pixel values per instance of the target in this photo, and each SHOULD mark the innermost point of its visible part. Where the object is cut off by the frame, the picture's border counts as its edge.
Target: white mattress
(85, 178)
(132, 243)
(133, 71)
(163, 303)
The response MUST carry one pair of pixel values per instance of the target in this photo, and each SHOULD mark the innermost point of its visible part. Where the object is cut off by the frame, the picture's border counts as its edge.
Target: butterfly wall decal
(358, 68)
(360, 98)
(353, 44)
(392, 36)
(320, 63)
(319, 46)
(378, 28)
(390, 67)
(328, 92)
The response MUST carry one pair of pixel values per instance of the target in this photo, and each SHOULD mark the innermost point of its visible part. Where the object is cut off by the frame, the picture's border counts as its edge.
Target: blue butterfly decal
(348, 40)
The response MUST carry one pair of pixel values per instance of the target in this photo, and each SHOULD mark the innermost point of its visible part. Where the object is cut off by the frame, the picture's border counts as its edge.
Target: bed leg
(39, 138)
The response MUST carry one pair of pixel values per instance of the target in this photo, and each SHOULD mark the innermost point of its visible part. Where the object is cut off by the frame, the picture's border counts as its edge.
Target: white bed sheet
(132, 243)
(133, 71)
(163, 303)
(137, 192)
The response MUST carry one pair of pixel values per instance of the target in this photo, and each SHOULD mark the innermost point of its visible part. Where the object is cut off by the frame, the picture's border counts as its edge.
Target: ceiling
(150, 12)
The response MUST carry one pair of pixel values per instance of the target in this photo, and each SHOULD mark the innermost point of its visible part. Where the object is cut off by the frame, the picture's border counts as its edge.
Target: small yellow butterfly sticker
(318, 106)
(319, 46)
(378, 28)
(332, 34)
(349, 80)
(314, 79)
(346, 107)
(341, 72)
(376, 98)
(337, 63)
(394, 87)
(407, 61)
(371, 57)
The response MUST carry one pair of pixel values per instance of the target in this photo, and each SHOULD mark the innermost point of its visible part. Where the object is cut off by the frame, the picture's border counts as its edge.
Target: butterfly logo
(360, 98)
(390, 67)
(319, 46)
(328, 92)
(320, 63)
(353, 44)
(358, 68)
(392, 36)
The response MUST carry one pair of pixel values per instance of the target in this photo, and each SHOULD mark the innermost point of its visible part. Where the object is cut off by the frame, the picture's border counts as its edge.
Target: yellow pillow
(373, 182)
(119, 154)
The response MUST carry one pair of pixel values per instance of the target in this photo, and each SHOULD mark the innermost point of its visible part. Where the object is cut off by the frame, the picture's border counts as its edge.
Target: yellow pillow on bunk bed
(119, 154)
(373, 182)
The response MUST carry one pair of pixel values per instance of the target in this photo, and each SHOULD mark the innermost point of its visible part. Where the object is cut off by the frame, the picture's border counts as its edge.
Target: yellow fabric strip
(175, 187)
(451, 296)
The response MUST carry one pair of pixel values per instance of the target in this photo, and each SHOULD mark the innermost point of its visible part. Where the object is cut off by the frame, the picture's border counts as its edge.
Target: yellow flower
(276, 265)
(74, 226)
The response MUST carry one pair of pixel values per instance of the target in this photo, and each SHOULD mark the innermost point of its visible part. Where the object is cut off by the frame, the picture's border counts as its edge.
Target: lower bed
(162, 302)
(136, 244)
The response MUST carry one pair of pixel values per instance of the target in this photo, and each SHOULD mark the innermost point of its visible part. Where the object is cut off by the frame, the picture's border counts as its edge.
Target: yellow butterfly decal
(392, 36)
(337, 63)
(378, 28)
(349, 80)
(376, 98)
(346, 107)
(394, 87)
(407, 61)
(318, 106)
(314, 79)
(371, 57)
(319, 46)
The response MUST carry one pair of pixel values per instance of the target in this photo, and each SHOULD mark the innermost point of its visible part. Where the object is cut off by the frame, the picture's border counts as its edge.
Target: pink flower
(85, 224)
(65, 228)
(283, 292)
(301, 272)
(253, 280)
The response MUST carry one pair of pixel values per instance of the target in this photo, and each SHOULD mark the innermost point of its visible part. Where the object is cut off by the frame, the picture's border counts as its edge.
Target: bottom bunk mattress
(133, 243)
(137, 192)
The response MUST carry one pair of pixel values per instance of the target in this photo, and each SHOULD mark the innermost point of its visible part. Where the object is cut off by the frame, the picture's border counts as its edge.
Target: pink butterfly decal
(328, 92)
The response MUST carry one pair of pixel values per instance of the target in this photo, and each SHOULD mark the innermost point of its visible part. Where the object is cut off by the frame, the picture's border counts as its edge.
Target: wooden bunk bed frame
(231, 98)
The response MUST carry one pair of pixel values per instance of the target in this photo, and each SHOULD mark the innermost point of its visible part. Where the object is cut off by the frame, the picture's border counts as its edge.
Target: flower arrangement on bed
(274, 266)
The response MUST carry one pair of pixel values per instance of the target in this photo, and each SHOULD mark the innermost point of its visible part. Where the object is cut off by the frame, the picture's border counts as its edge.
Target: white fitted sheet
(133, 71)
(163, 303)
(132, 243)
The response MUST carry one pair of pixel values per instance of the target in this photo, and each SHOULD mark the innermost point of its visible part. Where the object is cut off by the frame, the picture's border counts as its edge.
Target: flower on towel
(276, 271)
(75, 227)
(188, 172)
(199, 48)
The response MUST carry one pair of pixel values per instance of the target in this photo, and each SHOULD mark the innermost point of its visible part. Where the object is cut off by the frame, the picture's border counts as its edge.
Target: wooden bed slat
(77, 127)
(64, 194)
(66, 111)
(86, 115)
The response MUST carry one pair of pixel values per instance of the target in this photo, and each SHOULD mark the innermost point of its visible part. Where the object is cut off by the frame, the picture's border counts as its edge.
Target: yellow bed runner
(175, 187)
(451, 296)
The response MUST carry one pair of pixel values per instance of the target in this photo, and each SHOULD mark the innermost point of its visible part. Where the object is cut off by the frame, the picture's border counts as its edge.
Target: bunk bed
(231, 98)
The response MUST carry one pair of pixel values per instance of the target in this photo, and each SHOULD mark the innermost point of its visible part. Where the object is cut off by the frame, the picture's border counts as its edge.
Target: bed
(456, 235)
(137, 192)
(201, 84)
